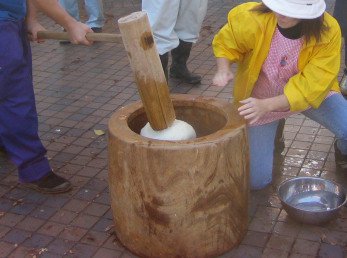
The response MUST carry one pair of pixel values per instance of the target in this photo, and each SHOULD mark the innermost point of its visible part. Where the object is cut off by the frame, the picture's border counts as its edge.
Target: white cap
(300, 9)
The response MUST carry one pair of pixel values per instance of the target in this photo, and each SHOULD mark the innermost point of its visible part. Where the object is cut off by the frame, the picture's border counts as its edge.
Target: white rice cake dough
(178, 131)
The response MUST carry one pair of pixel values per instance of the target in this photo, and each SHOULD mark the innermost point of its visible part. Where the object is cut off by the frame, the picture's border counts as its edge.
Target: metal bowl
(311, 200)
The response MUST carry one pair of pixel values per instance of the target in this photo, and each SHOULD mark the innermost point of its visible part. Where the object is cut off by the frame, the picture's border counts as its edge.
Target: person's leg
(162, 15)
(71, 6)
(261, 146)
(332, 114)
(190, 17)
(18, 117)
(95, 10)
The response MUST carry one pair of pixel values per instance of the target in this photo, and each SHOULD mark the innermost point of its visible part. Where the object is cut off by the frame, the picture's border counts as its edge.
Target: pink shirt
(278, 68)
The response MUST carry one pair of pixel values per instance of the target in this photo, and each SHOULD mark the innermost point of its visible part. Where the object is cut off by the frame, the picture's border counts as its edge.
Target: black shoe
(96, 29)
(340, 159)
(64, 42)
(2, 151)
(51, 184)
(179, 67)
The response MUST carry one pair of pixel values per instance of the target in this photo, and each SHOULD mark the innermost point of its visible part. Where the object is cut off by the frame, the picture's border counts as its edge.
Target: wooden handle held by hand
(103, 37)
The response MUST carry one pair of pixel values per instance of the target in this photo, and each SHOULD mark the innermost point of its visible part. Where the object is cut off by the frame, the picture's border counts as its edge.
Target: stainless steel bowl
(311, 200)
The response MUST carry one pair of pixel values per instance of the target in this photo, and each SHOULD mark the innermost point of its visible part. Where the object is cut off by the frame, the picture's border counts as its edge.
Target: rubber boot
(179, 68)
(164, 59)
(343, 83)
(279, 139)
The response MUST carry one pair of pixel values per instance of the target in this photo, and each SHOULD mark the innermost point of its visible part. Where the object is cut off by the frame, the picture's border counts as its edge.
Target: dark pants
(340, 13)
(18, 116)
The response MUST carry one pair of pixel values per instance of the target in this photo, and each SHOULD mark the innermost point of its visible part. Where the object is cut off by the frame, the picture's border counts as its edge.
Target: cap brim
(295, 10)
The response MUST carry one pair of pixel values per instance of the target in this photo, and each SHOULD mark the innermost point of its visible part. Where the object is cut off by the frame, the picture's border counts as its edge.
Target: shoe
(340, 159)
(51, 184)
(96, 29)
(179, 69)
(2, 151)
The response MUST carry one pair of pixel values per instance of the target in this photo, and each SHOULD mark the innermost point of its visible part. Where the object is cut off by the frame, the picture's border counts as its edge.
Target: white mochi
(178, 131)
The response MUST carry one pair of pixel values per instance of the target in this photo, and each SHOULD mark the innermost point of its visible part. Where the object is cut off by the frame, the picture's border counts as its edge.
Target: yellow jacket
(246, 39)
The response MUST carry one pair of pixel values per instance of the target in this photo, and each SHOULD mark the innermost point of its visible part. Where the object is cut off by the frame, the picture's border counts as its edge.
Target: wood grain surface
(185, 198)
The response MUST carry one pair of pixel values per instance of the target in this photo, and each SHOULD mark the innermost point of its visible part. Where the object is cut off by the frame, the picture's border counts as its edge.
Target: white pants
(172, 20)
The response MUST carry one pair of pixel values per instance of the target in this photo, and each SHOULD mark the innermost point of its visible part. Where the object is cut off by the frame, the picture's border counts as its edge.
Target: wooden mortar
(185, 198)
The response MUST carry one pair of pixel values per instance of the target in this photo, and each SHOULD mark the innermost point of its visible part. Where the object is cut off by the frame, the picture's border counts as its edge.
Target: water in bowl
(315, 201)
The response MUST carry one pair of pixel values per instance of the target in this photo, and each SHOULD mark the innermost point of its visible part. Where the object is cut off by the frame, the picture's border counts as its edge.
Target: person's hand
(253, 109)
(222, 77)
(77, 33)
(33, 27)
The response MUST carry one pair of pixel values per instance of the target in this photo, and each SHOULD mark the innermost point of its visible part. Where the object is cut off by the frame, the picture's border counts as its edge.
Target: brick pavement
(77, 89)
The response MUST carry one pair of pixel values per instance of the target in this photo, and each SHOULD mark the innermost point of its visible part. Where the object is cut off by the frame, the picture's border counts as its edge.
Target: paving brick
(97, 209)
(288, 228)
(274, 253)
(241, 251)
(76, 205)
(328, 251)
(73, 233)
(60, 246)
(107, 253)
(38, 241)
(258, 239)
(95, 238)
(84, 221)
(82, 251)
(16, 236)
(279, 242)
(305, 247)
(10, 219)
(6, 249)
(64, 216)
(4, 230)
(43, 212)
(30, 224)
(51, 228)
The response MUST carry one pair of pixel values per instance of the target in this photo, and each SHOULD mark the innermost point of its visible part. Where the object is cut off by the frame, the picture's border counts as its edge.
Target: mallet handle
(103, 37)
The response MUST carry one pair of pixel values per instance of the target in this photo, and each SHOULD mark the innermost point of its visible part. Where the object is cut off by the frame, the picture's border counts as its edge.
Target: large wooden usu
(175, 198)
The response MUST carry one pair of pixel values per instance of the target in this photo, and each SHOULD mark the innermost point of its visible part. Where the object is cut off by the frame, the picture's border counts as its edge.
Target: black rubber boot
(279, 139)
(164, 59)
(179, 68)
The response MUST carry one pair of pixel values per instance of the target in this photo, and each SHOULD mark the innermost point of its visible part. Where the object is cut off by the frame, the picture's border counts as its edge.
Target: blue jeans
(332, 114)
(94, 10)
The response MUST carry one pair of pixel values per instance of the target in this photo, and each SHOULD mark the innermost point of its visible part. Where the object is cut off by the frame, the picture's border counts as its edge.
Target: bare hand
(33, 27)
(222, 78)
(253, 109)
(77, 33)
